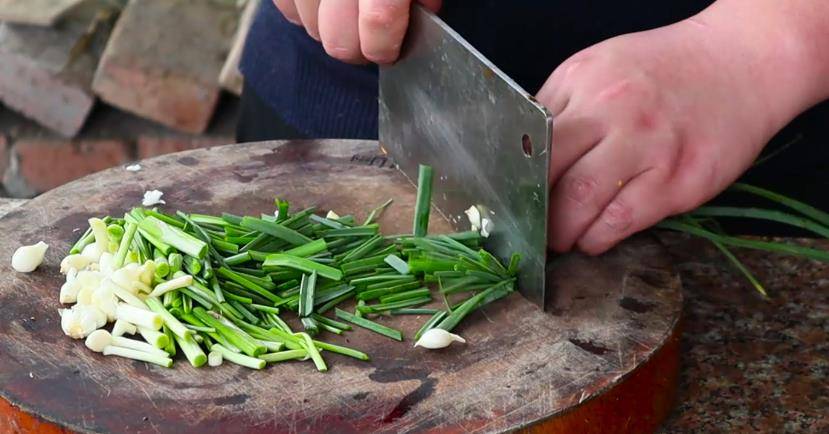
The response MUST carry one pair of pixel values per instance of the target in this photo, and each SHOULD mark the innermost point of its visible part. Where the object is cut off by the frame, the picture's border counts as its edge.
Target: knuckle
(381, 16)
(385, 55)
(579, 189)
(625, 89)
(618, 216)
(341, 52)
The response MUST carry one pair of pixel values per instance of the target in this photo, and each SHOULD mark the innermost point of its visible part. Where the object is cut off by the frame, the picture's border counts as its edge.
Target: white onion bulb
(98, 340)
(26, 258)
(437, 338)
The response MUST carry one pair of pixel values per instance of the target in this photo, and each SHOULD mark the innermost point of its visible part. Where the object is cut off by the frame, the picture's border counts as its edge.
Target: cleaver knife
(445, 105)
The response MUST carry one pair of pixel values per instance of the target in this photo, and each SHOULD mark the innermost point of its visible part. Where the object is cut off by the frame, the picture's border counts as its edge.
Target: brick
(231, 78)
(43, 164)
(153, 146)
(37, 12)
(43, 77)
(163, 59)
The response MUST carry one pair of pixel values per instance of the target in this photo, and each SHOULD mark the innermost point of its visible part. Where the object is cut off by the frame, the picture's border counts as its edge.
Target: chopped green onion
(423, 204)
(398, 264)
(302, 264)
(174, 236)
(433, 321)
(312, 350)
(282, 356)
(306, 294)
(376, 308)
(275, 230)
(369, 325)
(239, 359)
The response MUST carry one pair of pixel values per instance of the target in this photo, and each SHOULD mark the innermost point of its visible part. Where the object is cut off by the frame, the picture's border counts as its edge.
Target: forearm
(786, 43)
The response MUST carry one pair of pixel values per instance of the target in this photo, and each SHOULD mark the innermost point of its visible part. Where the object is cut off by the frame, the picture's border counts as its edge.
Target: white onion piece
(105, 263)
(122, 327)
(437, 338)
(104, 299)
(139, 317)
(26, 258)
(92, 252)
(98, 340)
(76, 262)
(332, 215)
(81, 320)
(214, 358)
(474, 216)
(126, 278)
(99, 230)
(486, 227)
(152, 197)
(146, 272)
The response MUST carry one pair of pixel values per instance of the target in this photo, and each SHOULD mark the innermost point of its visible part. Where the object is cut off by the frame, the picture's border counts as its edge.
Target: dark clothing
(323, 97)
(294, 89)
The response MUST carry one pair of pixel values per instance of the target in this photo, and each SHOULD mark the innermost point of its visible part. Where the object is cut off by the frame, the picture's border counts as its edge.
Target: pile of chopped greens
(224, 284)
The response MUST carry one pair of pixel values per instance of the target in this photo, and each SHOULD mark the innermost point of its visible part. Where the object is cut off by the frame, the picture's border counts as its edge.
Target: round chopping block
(602, 358)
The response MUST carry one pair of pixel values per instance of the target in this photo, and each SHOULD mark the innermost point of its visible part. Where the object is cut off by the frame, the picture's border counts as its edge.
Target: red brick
(153, 146)
(42, 78)
(163, 61)
(45, 164)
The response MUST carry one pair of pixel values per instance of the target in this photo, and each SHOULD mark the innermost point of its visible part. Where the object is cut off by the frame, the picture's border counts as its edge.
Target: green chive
(282, 356)
(423, 204)
(174, 237)
(405, 295)
(275, 230)
(436, 318)
(376, 212)
(333, 323)
(302, 264)
(311, 347)
(369, 325)
(357, 231)
(384, 307)
(398, 264)
(306, 294)
(239, 359)
(415, 311)
(308, 249)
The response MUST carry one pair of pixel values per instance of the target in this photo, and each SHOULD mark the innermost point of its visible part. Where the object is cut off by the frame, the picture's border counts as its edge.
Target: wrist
(781, 46)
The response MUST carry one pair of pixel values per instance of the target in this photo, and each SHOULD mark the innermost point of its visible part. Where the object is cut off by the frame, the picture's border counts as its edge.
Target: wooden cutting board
(603, 358)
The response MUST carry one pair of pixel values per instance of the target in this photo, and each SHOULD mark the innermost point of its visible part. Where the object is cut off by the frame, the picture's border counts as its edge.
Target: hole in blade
(527, 145)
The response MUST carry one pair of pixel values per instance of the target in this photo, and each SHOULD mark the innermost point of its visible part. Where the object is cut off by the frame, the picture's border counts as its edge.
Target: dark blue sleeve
(318, 95)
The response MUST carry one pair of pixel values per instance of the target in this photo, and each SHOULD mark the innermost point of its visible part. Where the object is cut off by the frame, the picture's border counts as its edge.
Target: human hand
(355, 31)
(655, 123)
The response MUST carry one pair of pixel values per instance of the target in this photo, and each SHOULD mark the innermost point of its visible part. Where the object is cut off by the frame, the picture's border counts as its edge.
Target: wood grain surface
(603, 357)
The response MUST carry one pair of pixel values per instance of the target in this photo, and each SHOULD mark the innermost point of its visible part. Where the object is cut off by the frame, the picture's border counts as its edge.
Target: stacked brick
(159, 60)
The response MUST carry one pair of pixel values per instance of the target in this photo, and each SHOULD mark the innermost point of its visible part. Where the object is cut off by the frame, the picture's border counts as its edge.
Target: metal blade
(444, 104)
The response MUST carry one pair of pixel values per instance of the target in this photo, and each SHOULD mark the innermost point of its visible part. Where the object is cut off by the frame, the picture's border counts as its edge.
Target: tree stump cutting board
(603, 358)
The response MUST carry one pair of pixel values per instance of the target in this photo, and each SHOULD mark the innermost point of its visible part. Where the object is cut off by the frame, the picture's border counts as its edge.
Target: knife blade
(445, 105)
